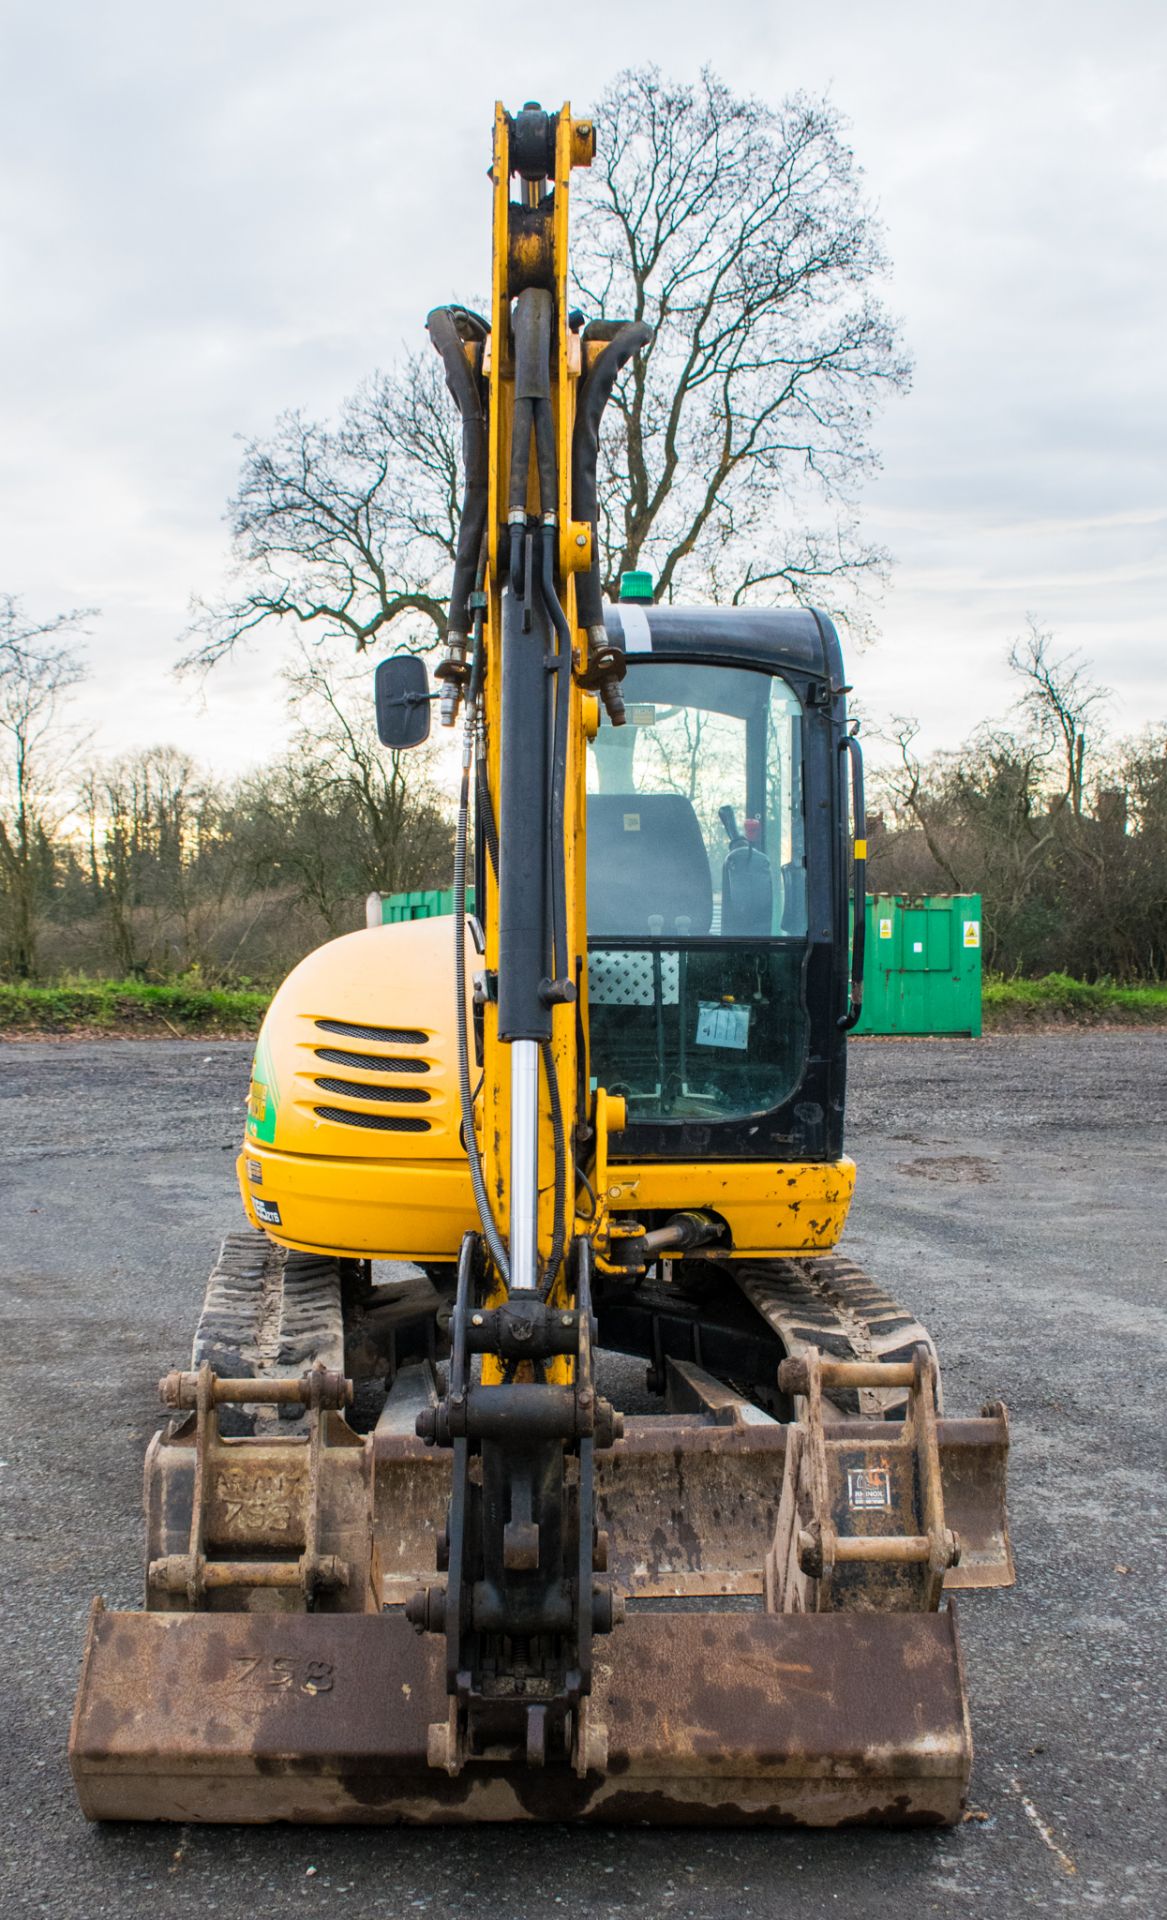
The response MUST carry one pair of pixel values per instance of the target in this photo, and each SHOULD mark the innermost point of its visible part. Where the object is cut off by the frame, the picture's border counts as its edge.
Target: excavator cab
(716, 832)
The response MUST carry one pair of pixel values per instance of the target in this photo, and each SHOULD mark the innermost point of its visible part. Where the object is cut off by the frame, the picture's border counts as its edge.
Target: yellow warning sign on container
(972, 933)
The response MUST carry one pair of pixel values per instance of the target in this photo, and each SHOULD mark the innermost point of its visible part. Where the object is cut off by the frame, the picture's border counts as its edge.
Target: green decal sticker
(264, 1095)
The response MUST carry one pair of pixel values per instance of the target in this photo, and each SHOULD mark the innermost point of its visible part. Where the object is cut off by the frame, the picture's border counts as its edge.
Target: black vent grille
(369, 1062)
(373, 1091)
(380, 1122)
(393, 1036)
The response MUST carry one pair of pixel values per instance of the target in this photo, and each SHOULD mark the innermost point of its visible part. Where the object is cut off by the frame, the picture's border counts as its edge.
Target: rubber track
(267, 1313)
(832, 1304)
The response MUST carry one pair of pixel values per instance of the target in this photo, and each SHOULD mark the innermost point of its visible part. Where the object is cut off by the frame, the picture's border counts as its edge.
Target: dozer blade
(712, 1717)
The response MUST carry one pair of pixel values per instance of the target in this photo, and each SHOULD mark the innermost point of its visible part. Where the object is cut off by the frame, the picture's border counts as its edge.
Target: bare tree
(37, 669)
(982, 815)
(735, 444)
(905, 786)
(154, 823)
(1071, 884)
(1059, 699)
(340, 817)
(345, 529)
(740, 232)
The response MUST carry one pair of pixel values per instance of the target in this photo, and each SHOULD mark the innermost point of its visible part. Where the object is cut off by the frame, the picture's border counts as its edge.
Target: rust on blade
(689, 1509)
(712, 1717)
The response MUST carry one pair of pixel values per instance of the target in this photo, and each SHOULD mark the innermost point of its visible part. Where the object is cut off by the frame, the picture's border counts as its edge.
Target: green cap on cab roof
(636, 586)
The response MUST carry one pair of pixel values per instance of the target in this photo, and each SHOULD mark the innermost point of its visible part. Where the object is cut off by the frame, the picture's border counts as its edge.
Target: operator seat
(648, 871)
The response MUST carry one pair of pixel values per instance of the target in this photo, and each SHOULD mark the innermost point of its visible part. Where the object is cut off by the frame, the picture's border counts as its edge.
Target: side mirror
(403, 701)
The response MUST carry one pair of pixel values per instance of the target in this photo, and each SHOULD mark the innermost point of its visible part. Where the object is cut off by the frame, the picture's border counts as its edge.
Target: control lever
(729, 821)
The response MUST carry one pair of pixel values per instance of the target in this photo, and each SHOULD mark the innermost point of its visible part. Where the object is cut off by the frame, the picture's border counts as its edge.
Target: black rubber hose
(486, 813)
(560, 958)
(478, 651)
(442, 325)
(585, 453)
(491, 1233)
(481, 777)
(521, 426)
(531, 328)
(545, 455)
(558, 782)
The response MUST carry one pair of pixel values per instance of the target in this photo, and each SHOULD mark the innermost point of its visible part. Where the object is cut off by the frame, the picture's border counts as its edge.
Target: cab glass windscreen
(697, 893)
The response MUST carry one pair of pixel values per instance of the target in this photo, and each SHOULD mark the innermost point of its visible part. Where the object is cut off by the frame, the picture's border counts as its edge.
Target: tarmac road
(1012, 1192)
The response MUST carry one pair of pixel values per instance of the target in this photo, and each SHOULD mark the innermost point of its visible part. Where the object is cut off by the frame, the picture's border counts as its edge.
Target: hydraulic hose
(531, 327)
(560, 956)
(521, 424)
(486, 812)
(482, 784)
(585, 454)
(491, 1233)
(449, 328)
(558, 753)
(545, 455)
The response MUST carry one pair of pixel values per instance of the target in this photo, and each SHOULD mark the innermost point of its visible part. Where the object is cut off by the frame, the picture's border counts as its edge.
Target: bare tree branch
(38, 669)
(348, 529)
(735, 444)
(1059, 699)
(740, 232)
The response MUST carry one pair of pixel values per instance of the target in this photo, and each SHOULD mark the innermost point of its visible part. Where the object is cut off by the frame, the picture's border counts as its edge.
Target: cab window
(697, 892)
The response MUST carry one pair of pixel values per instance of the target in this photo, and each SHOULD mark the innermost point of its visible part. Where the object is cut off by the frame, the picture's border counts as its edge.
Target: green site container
(387, 909)
(922, 971)
(422, 905)
(922, 968)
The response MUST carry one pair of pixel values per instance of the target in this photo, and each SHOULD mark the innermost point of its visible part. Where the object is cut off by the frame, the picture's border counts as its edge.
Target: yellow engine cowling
(352, 1142)
(353, 1128)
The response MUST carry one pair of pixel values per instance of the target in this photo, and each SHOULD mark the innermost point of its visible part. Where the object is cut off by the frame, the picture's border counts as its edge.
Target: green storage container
(922, 969)
(386, 909)
(417, 906)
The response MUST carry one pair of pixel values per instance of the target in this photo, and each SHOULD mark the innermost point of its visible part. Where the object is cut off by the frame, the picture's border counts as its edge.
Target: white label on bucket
(869, 1487)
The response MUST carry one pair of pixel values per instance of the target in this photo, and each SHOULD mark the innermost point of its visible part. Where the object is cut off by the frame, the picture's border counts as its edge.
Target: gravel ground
(1011, 1191)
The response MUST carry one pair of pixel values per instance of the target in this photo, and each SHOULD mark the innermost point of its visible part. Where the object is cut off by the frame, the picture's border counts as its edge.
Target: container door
(914, 933)
(939, 938)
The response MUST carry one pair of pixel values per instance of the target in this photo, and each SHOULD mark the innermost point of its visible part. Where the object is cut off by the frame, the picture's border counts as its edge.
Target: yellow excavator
(406, 1559)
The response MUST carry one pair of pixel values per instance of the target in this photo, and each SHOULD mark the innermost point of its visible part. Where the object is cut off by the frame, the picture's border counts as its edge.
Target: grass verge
(130, 1006)
(1057, 1000)
(100, 1007)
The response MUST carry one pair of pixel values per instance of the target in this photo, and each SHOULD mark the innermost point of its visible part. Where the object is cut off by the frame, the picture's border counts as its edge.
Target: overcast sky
(212, 212)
